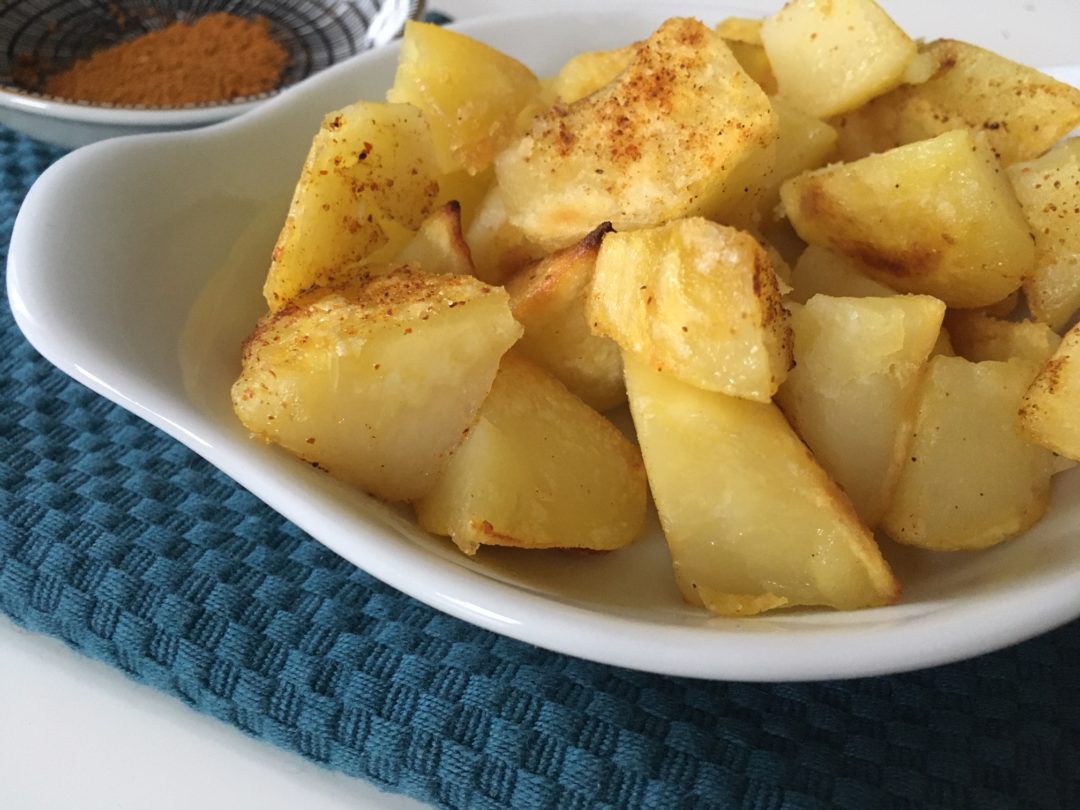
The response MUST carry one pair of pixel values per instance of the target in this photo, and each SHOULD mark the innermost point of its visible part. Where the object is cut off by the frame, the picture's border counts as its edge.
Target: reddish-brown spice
(217, 57)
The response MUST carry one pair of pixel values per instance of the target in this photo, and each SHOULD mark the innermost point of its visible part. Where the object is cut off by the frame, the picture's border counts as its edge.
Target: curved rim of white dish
(120, 116)
(864, 643)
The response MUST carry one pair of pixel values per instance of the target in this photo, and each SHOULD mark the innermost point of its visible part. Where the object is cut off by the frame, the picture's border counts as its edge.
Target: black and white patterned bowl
(315, 34)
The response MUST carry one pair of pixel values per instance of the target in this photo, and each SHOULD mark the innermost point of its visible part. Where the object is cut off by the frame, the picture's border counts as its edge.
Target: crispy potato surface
(369, 178)
(469, 93)
(549, 301)
(830, 56)
(854, 388)
(1050, 410)
(1048, 188)
(376, 380)
(752, 522)
(697, 300)
(439, 246)
(971, 479)
(937, 217)
(539, 469)
(1021, 110)
(659, 142)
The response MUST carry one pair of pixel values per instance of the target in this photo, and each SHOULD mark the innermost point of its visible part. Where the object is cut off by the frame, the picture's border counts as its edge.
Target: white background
(75, 733)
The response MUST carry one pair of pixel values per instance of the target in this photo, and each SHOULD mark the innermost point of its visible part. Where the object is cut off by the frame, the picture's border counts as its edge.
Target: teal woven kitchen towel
(135, 551)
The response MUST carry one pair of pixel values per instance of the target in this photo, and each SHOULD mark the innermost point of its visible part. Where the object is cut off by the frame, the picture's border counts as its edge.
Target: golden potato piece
(439, 247)
(1022, 111)
(369, 177)
(469, 92)
(468, 190)
(587, 72)
(978, 336)
(820, 271)
(743, 201)
(377, 380)
(743, 36)
(970, 480)
(830, 56)
(936, 217)
(740, 29)
(1049, 192)
(539, 469)
(1050, 410)
(753, 189)
(549, 299)
(658, 143)
(697, 300)
(852, 393)
(803, 143)
(751, 520)
(755, 62)
(498, 248)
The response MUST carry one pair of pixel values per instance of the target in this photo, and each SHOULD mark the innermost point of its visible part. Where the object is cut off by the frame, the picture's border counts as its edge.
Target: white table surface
(74, 733)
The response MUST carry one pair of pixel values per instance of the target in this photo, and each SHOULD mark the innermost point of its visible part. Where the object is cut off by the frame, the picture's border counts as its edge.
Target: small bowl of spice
(76, 71)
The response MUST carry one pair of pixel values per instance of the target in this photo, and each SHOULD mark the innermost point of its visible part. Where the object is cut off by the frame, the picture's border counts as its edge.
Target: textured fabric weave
(135, 551)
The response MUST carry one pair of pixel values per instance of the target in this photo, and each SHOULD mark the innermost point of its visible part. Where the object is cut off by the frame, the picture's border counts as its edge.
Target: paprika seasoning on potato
(217, 57)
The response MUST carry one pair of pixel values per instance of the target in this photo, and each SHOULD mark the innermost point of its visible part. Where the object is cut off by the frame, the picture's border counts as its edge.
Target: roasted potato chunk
(803, 143)
(539, 469)
(719, 468)
(469, 92)
(830, 56)
(370, 176)
(378, 379)
(659, 142)
(978, 336)
(587, 72)
(971, 479)
(820, 271)
(549, 301)
(438, 246)
(1050, 410)
(1049, 192)
(743, 36)
(937, 217)
(498, 249)
(1022, 111)
(697, 300)
(740, 29)
(852, 393)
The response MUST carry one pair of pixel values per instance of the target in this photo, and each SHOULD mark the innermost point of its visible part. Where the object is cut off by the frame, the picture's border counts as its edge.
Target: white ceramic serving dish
(136, 266)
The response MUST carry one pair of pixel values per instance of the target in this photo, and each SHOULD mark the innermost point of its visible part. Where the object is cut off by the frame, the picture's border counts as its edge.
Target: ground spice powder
(217, 57)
